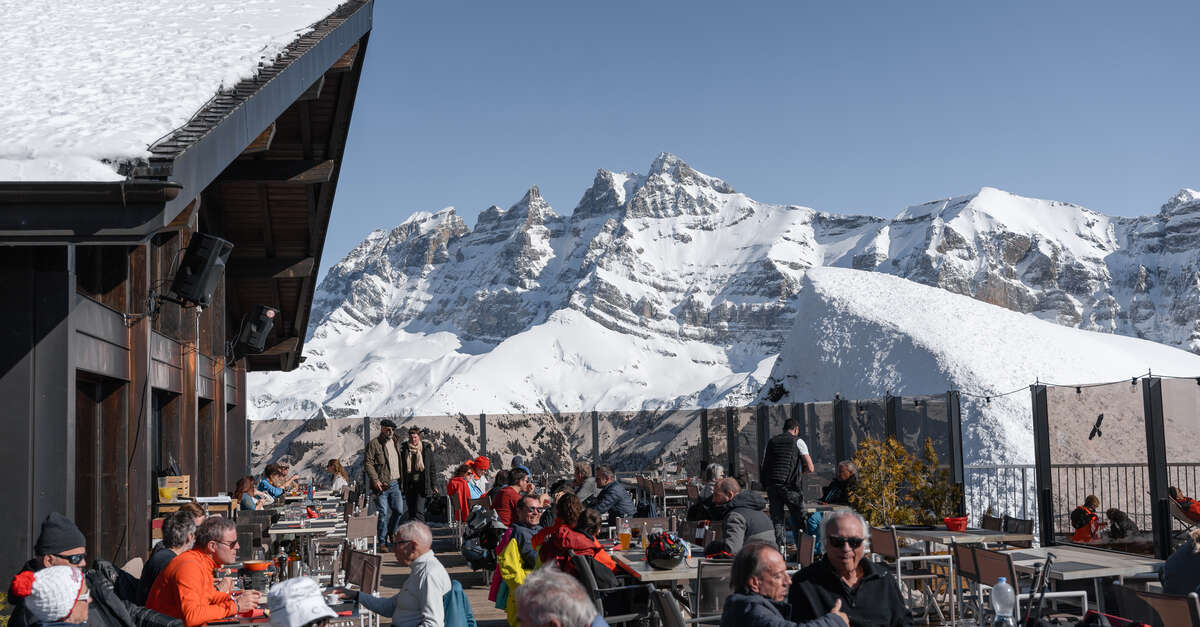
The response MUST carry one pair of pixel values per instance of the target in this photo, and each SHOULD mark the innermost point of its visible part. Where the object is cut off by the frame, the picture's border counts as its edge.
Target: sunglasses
(75, 560)
(838, 542)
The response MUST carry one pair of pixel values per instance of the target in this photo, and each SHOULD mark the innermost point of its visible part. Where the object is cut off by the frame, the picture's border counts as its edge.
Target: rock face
(671, 289)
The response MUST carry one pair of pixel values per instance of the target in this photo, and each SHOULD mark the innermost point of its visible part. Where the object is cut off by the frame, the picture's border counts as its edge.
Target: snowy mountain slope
(671, 289)
(867, 333)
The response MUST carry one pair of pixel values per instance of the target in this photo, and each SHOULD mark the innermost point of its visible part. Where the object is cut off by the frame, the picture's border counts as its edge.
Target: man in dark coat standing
(785, 460)
(418, 474)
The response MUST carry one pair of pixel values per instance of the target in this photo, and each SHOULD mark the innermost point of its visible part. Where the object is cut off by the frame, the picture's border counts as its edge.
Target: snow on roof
(96, 83)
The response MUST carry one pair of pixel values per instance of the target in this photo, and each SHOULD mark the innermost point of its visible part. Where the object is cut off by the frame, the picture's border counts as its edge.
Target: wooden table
(1074, 563)
(970, 536)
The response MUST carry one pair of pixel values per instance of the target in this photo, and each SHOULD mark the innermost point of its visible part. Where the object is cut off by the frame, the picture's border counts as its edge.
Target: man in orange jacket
(185, 588)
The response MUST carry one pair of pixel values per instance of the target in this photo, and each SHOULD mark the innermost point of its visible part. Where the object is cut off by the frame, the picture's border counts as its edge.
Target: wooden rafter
(270, 268)
(262, 143)
(298, 171)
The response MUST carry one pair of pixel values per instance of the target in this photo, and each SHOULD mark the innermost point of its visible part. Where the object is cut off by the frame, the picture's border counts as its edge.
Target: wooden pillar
(139, 478)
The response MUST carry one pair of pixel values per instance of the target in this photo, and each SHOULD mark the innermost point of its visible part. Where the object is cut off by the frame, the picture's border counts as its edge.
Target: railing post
(483, 434)
(595, 438)
(1024, 493)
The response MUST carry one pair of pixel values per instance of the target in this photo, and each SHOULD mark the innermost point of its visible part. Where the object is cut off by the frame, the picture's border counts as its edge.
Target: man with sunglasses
(185, 588)
(420, 601)
(60, 543)
(868, 594)
(517, 558)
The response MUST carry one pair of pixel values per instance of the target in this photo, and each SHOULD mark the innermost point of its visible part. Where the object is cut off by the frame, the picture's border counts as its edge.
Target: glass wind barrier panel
(718, 437)
(921, 417)
(749, 457)
(867, 419)
(816, 427)
(1181, 428)
(1098, 453)
(576, 427)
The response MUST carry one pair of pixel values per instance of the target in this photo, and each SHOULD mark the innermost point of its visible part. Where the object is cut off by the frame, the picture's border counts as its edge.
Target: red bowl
(958, 523)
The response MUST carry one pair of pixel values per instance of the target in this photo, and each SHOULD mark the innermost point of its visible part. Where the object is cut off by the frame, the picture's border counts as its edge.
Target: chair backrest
(1174, 609)
(991, 523)
(583, 572)
(482, 501)
(362, 527)
(1019, 525)
(712, 586)
(247, 539)
(693, 493)
(364, 570)
(1178, 513)
(992, 565)
(348, 509)
(804, 549)
(883, 543)
(668, 609)
(658, 489)
(964, 561)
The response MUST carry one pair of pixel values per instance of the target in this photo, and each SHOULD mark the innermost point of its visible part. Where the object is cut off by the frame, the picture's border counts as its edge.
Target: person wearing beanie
(60, 543)
(298, 603)
(52, 595)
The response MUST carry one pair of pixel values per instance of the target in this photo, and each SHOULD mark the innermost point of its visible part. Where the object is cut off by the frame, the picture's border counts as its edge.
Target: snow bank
(96, 83)
(861, 334)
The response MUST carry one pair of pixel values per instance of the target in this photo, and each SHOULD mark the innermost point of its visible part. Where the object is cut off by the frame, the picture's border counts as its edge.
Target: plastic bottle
(1003, 600)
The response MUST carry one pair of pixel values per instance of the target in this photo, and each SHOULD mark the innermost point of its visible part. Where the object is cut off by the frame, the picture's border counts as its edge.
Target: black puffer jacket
(755, 610)
(744, 521)
(780, 461)
(109, 610)
(838, 491)
(874, 602)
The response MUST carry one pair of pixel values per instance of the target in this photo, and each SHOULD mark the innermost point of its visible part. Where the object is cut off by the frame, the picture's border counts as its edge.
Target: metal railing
(1011, 489)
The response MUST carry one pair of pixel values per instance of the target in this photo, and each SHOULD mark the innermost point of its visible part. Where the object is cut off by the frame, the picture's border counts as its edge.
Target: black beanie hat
(387, 423)
(58, 534)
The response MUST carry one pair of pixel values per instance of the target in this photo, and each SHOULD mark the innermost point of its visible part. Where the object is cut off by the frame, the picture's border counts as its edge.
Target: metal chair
(992, 565)
(966, 569)
(670, 615)
(1174, 610)
(805, 549)
(1178, 514)
(712, 587)
(1018, 525)
(364, 570)
(362, 532)
(583, 572)
(885, 545)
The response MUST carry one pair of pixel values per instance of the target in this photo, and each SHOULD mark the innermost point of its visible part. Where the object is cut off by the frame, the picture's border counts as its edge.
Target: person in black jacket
(613, 499)
(179, 533)
(869, 596)
(785, 460)
(1120, 526)
(60, 543)
(760, 584)
(418, 474)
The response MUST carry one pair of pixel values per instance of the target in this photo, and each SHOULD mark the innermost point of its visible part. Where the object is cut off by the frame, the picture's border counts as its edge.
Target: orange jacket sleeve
(199, 599)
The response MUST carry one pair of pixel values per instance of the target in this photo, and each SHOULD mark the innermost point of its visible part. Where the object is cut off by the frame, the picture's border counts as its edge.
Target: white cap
(51, 593)
(297, 602)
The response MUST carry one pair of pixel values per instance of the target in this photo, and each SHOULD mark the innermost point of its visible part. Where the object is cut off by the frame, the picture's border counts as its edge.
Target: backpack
(1080, 518)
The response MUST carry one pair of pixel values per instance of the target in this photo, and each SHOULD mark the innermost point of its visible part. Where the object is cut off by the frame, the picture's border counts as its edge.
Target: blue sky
(863, 107)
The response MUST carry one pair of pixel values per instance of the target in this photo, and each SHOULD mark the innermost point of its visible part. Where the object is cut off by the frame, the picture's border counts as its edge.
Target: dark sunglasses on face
(838, 542)
(75, 560)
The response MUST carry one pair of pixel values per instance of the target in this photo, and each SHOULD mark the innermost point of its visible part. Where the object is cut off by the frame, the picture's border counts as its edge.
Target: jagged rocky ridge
(671, 289)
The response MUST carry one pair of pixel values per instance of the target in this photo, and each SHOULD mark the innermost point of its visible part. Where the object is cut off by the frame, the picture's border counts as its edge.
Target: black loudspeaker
(252, 338)
(201, 268)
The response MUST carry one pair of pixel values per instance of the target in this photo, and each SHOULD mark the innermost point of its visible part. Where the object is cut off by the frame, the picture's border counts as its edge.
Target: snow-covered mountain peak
(670, 167)
(1181, 200)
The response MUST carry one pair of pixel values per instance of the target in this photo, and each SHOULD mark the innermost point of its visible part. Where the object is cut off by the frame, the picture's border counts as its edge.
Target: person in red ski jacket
(581, 540)
(458, 489)
(1190, 507)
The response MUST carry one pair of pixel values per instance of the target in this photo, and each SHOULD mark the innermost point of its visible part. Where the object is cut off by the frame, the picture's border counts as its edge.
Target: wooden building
(103, 383)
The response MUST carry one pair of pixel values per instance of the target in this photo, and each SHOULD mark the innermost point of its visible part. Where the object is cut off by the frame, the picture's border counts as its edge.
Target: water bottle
(1003, 600)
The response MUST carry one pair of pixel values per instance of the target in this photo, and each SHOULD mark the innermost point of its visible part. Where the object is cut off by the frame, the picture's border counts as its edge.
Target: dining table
(1078, 563)
(944, 536)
